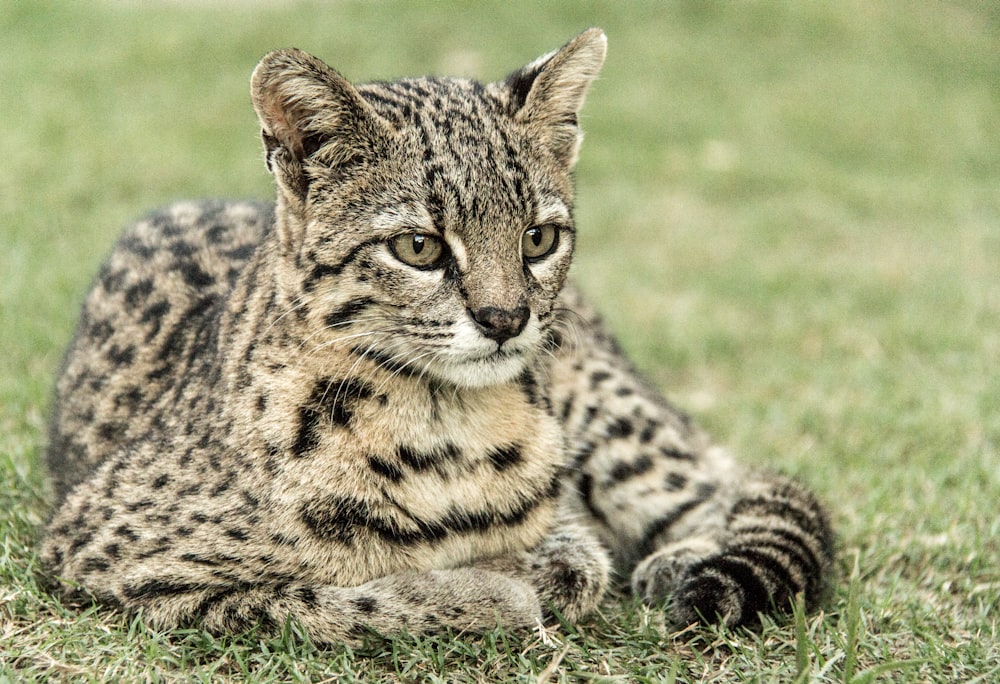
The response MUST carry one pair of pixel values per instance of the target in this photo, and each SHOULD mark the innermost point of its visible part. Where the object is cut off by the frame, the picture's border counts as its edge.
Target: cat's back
(154, 301)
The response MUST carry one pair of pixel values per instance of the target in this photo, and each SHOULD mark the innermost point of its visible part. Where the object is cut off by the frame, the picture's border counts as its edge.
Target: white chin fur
(473, 361)
(493, 370)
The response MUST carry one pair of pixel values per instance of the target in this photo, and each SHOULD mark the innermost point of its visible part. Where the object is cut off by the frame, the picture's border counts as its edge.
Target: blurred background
(789, 211)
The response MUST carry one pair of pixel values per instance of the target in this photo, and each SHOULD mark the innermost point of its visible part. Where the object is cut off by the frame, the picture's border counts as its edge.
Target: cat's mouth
(482, 367)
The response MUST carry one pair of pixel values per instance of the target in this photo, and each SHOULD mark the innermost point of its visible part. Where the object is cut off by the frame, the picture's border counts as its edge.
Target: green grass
(789, 211)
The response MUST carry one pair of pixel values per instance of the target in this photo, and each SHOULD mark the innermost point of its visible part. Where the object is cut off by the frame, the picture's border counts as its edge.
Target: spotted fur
(294, 411)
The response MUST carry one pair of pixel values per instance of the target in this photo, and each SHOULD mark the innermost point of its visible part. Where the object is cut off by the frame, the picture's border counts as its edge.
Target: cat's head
(427, 223)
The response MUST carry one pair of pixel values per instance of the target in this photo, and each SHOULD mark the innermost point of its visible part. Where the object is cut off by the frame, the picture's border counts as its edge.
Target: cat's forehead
(471, 158)
(436, 102)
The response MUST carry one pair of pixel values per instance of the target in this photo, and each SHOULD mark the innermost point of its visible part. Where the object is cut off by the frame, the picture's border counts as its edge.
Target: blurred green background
(790, 212)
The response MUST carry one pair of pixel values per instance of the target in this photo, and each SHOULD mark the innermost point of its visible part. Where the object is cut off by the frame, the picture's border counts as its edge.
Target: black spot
(136, 293)
(250, 502)
(320, 271)
(335, 518)
(101, 331)
(625, 470)
(340, 519)
(80, 541)
(237, 534)
(142, 504)
(112, 281)
(195, 276)
(308, 596)
(130, 398)
(161, 546)
(384, 468)
(161, 481)
(621, 428)
(182, 249)
(424, 460)
(217, 233)
(597, 377)
(585, 486)
(284, 540)
(365, 604)
(648, 432)
(675, 453)
(200, 560)
(344, 315)
(111, 432)
(504, 457)
(112, 551)
(241, 253)
(155, 311)
(383, 360)
(331, 403)
(532, 391)
(173, 346)
(675, 482)
(160, 587)
(566, 408)
(134, 244)
(583, 454)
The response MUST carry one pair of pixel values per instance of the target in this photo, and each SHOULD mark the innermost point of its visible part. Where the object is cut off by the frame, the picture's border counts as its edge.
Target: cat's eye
(419, 250)
(540, 241)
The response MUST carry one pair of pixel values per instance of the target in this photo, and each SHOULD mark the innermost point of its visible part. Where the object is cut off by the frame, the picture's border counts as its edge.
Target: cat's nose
(500, 324)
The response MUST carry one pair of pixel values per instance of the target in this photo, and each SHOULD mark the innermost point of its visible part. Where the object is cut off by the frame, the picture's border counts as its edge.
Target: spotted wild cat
(378, 405)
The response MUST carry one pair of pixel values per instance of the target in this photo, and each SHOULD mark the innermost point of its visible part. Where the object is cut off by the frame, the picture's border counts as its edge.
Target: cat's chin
(495, 369)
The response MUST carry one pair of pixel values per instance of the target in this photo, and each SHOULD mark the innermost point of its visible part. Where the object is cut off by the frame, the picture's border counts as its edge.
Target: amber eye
(539, 241)
(418, 250)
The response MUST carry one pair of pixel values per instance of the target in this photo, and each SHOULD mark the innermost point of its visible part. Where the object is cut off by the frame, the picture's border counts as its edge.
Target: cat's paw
(720, 588)
(568, 570)
(658, 577)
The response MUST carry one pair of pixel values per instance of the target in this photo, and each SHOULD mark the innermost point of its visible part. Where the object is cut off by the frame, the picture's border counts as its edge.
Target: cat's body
(378, 406)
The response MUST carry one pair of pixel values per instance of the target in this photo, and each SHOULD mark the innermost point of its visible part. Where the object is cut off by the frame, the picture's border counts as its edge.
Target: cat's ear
(550, 91)
(310, 113)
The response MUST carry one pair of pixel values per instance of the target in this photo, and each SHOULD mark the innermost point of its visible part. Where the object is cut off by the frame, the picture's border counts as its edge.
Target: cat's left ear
(550, 91)
(310, 114)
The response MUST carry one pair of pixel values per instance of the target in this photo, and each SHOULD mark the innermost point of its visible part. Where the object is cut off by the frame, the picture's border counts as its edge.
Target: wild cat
(378, 405)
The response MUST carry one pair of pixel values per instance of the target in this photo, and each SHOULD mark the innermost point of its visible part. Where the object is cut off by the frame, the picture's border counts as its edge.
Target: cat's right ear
(310, 114)
(549, 92)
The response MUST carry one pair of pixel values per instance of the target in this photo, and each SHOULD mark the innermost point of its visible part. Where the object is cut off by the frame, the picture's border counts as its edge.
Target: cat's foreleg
(461, 599)
(568, 571)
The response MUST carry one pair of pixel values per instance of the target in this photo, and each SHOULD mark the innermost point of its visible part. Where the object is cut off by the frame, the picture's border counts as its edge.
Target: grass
(789, 211)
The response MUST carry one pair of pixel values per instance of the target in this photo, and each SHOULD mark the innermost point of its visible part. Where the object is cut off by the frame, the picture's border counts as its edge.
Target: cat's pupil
(535, 236)
(418, 244)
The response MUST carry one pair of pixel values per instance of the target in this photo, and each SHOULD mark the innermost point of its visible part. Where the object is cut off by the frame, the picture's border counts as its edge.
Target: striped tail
(779, 544)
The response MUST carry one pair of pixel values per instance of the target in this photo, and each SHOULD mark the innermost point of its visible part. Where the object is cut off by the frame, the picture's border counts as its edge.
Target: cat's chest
(413, 476)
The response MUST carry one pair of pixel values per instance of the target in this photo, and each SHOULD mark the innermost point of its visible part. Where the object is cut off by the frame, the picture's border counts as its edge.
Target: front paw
(570, 571)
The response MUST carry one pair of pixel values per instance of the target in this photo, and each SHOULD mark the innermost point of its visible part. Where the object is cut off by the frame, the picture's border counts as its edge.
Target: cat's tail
(778, 544)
